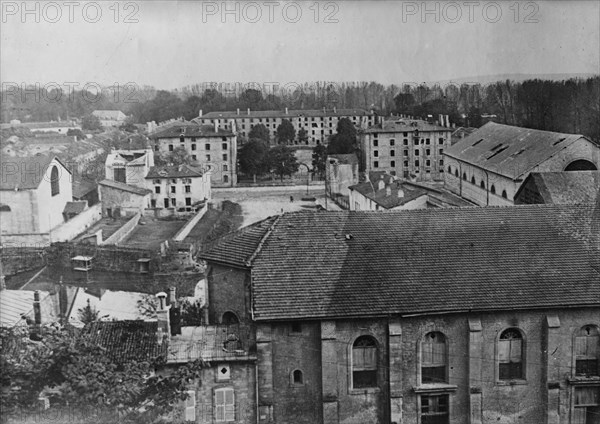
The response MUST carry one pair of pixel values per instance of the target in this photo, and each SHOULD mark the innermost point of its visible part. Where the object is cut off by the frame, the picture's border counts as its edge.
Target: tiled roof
(82, 186)
(566, 187)
(345, 159)
(507, 150)
(180, 171)
(15, 303)
(237, 248)
(281, 113)
(209, 343)
(126, 340)
(404, 125)
(125, 187)
(190, 130)
(75, 207)
(372, 191)
(25, 172)
(356, 264)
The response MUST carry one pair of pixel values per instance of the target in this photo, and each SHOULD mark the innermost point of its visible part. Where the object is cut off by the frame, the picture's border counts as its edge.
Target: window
(208, 158)
(416, 152)
(441, 141)
(223, 372)
(225, 178)
(427, 141)
(465, 176)
(392, 153)
(224, 405)
(225, 167)
(434, 409)
(55, 181)
(188, 201)
(188, 189)
(173, 202)
(224, 146)
(230, 318)
(193, 138)
(190, 406)
(193, 146)
(119, 175)
(166, 202)
(181, 139)
(170, 147)
(510, 355)
(297, 378)
(157, 189)
(393, 164)
(441, 165)
(375, 143)
(194, 157)
(433, 359)
(441, 151)
(405, 141)
(376, 153)
(376, 164)
(417, 163)
(392, 142)
(482, 184)
(449, 169)
(223, 138)
(405, 152)
(406, 164)
(504, 194)
(428, 162)
(364, 362)
(493, 189)
(207, 146)
(428, 152)
(587, 405)
(173, 189)
(224, 156)
(587, 351)
(473, 180)
(456, 173)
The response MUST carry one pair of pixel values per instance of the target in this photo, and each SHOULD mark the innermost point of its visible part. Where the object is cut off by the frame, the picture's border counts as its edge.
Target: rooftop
(507, 150)
(189, 129)
(24, 172)
(408, 191)
(125, 187)
(282, 113)
(179, 171)
(316, 265)
(345, 159)
(16, 303)
(566, 187)
(404, 125)
(109, 114)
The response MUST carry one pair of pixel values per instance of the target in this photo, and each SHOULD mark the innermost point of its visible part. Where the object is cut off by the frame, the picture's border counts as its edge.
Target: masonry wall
(50, 208)
(581, 149)
(125, 202)
(228, 291)
(23, 217)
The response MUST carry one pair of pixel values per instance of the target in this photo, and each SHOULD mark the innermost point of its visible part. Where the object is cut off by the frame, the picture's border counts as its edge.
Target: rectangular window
(393, 164)
(119, 175)
(392, 153)
(173, 202)
(375, 143)
(194, 146)
(428, 152)
(188, 189)
(225, 167)
(441, 151)
(416, 152)
(224, 405)
(224, 146)
(405, 141)
(173, 189)
(416, 163)
(376, 164)
(223, 138)
(434, 409)
(586, 355)
(224, 156)
(190, 406)
(406, 153)
(188, 201)
(170, 147)
(441, 141)
(427, 141)
(587, 405)
(157, 189)
(208, 158)
(376, 153)
(207, 146)
(392, 142)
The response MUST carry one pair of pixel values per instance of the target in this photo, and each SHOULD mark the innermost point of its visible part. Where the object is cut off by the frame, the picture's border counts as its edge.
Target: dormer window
(82, 263)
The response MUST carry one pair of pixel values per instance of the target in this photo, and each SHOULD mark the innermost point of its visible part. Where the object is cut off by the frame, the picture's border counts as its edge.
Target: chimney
(388, 191)
(248, 111)
(441, 119)
(400, 191)
(367, 177)
(286, 110)
(37, 310)
(200, 113)
(216, 125)
(162, 315)
(447, 122)
(238, 110)
(334, 109)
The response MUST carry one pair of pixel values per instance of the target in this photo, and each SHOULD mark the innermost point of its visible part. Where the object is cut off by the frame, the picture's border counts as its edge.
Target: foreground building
(406, 147)
(319, 124)
(430, 316)
(488, 166)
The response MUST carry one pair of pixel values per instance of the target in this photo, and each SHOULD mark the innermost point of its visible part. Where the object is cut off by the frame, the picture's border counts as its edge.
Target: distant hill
(487, 79)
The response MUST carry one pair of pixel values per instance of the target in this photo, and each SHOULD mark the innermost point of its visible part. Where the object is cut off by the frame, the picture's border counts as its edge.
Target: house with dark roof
(386, 194)
(428, 315)
(488, 166)
(406, 147)
(559, 188)
(319, 124)
(211, 147)
(180, 187)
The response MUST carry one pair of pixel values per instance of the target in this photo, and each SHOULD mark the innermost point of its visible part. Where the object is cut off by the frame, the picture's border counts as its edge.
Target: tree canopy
(319, 159)
(344, 140)
(286, 133)
(253, 158)
(91, 123)
(283, 161)
(260, 132)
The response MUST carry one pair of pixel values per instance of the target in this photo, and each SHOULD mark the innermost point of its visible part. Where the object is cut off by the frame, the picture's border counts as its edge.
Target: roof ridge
(262, 241)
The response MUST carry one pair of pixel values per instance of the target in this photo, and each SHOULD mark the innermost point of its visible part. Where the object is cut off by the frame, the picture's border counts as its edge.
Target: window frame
(375, 369)
(444, 363)
(575, 355)
(434, 413)
(227, 416)
(523, 356)
(54, 181)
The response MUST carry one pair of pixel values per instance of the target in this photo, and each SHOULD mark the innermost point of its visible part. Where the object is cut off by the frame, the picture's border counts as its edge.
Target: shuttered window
(364, 363)
(190, 406)
(433, 358)
(224, 405)
(586, 351)
(510, 355)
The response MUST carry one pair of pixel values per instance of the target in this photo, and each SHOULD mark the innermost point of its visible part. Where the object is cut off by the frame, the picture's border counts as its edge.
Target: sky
(177, 43)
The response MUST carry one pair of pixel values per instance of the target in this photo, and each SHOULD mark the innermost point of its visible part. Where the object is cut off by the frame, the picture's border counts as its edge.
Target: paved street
(261, 202)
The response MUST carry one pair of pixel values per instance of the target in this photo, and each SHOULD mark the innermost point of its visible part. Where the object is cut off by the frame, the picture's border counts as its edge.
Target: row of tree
(568, 106)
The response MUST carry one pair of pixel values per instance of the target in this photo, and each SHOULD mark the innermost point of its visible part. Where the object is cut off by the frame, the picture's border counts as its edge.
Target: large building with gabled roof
(419, 316)
(488, 166)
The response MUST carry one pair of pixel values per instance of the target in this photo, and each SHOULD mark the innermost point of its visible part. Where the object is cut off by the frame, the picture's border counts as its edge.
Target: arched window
(230, 318)
(297, 377)
(465, 176)
(364, 362)
(482, 184)
(473, 180)
(456, 173)
(587, 351)
(449, 169)
(510, 355)
(504, 194)
(225, 178)
(493, 189)
(54, 181)
(434, 361)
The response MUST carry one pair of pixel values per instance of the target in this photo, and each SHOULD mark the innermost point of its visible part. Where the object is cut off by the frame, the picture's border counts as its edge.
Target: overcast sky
(174, 44)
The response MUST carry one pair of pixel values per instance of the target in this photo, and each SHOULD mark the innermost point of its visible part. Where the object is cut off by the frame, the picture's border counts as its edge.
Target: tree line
(571, 106)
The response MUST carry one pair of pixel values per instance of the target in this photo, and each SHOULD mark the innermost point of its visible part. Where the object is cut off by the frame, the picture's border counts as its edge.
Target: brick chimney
(200, 113)
(162, 315)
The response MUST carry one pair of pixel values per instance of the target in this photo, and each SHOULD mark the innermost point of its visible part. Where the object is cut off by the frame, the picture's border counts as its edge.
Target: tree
(91, 123)
(302, 136)
(286, 132)
(319, 159)
(283, 161)
(128, 125)
(253, 158)
(77, 133)
(344, 140)
(88, 313)
(260, 132)
(179, 156)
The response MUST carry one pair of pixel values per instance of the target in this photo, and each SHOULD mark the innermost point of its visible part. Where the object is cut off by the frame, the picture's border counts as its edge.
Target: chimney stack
(172, 298)
(286, 110)
(37, 310)
(162, 315)
(216, 125)
(447, 122)
(200, 113)
(248, 111)
(334, 109)
(238, 110)
(381, 184)
(400, 191)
